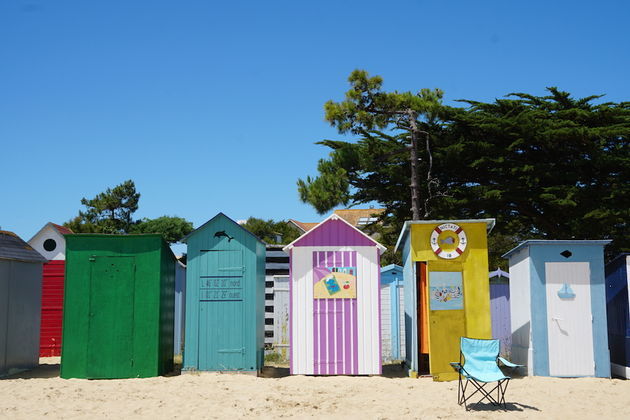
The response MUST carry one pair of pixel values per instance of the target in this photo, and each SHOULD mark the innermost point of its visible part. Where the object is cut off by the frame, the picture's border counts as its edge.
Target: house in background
(49, 242)
(358, 218)
(20, 303)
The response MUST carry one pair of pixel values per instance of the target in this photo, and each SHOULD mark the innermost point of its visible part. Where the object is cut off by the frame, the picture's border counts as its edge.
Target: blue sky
(216, 106)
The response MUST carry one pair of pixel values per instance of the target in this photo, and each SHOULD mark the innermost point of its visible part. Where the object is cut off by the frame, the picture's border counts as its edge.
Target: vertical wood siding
(500, 311)
(359, 340)
(52, 309)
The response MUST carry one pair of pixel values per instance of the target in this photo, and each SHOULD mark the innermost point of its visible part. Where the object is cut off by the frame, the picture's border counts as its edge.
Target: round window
(50, 245)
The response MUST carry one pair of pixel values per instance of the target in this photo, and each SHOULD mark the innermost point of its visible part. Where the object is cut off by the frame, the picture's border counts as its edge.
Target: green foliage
(269, 230)
(109, 212)
(112, 211)
(552, 167)
(172, 228)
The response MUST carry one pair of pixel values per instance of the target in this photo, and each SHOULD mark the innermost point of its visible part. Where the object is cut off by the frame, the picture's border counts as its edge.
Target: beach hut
(118, 306)
(20, 304)
(392, 313)
(617, 306)
(180, 308)
(225, 297)
(500, 310)
(447, 296)
(559, 319)
(277, 301)
(335, 301)
(49, 242)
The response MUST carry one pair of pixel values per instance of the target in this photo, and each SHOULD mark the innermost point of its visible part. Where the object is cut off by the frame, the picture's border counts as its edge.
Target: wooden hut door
(335, 321)
(569, 319)
(111, 317)
(221, 311)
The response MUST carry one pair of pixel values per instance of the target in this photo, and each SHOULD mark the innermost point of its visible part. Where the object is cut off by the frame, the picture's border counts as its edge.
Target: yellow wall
(445, 327)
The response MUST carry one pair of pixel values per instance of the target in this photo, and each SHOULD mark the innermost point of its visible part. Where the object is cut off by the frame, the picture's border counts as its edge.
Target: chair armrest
(509, 364)
(457, 366)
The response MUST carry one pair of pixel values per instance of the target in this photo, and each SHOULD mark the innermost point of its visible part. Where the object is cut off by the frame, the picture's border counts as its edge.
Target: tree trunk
(415, 190)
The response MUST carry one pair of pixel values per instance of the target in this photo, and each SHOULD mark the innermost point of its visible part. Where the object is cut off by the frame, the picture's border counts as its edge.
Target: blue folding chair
(479, 365)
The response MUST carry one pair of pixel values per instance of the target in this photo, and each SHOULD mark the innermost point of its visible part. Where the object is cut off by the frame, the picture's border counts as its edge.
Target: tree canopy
(112, 211)
(553, 166)
(172, 228)
(270, 231)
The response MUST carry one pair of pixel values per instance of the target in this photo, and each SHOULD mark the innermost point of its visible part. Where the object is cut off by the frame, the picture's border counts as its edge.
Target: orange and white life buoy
(443, 241)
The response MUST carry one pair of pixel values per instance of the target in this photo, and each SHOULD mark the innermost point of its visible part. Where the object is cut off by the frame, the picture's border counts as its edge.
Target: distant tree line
(552, 167)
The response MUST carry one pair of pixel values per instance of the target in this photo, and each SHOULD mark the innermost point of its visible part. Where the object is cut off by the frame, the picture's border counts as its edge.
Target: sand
(41, 393)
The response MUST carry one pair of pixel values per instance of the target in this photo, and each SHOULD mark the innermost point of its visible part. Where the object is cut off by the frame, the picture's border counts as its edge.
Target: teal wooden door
(111, 317)
(221, 317)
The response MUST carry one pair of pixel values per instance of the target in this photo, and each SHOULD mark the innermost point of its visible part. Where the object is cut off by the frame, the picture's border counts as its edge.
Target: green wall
(104, 275)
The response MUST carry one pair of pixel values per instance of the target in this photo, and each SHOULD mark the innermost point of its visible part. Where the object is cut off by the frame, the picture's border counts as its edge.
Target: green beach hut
(118, 306)
(225, 298)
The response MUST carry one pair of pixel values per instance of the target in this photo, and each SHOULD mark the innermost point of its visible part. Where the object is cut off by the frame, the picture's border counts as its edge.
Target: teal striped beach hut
(225, 298)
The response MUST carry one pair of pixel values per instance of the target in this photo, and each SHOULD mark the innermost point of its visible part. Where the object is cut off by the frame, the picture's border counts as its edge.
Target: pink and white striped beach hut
(335, 301)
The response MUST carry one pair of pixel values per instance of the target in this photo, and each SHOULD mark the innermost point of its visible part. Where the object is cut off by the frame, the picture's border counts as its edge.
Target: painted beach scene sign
(446, 290)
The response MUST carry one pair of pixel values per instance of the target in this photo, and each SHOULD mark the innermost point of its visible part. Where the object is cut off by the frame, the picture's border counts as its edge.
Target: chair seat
(485, 376)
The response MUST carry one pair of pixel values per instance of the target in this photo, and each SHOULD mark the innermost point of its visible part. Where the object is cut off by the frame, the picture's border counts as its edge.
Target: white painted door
(570, 321)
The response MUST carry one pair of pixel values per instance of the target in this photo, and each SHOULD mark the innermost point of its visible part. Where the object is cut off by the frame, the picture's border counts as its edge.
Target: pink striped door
(335, 319)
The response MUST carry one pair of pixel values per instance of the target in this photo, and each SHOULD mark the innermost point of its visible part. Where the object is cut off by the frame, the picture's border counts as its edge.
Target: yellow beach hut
(447, 295)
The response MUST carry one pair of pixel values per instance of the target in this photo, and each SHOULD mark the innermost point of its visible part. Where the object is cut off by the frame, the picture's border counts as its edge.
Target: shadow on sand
(43, 371)
(508, 407)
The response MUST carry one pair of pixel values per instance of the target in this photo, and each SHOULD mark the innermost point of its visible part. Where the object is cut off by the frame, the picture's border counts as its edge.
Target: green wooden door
(221, 318)
(111, 317)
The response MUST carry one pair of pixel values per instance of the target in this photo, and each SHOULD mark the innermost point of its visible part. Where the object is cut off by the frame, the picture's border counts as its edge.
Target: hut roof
(334, 217)
(407, 226)
(12, 247)
(529, 242)
(220, 214)
(62, 230)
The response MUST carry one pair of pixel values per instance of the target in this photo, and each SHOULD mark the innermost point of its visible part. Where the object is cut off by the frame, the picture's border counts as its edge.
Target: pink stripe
(315, 324)
(339, 342)
(331, 335)
(355, 336)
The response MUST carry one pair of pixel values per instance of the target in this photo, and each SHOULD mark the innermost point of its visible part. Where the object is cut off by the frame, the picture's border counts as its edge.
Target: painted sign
(445, 290)
(334, 282)
(220, 288)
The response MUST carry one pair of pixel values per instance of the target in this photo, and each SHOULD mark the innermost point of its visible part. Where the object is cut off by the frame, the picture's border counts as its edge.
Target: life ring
(450, 252)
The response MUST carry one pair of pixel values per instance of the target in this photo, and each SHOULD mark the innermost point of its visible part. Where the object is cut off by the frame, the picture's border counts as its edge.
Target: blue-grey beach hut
(617, 305)
(225, 298)
(559, 319)
(392, 313)
(20, 303)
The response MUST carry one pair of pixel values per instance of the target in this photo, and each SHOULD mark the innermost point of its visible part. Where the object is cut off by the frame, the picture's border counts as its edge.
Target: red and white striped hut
(334, 301)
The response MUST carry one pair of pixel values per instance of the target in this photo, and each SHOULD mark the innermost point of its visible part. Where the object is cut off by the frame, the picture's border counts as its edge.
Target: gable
(334, 232)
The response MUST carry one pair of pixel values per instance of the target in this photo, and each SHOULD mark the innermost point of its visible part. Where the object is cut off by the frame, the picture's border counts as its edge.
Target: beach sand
(41, 393)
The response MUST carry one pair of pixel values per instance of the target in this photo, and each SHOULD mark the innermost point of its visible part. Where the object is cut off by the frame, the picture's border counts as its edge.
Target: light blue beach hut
(225, 298)
(392, 313)
(617, 303)
(559, 319)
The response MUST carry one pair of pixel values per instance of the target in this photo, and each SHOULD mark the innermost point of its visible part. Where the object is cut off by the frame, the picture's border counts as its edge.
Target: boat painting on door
(335, 312)
(221, 339)
(569, 321)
